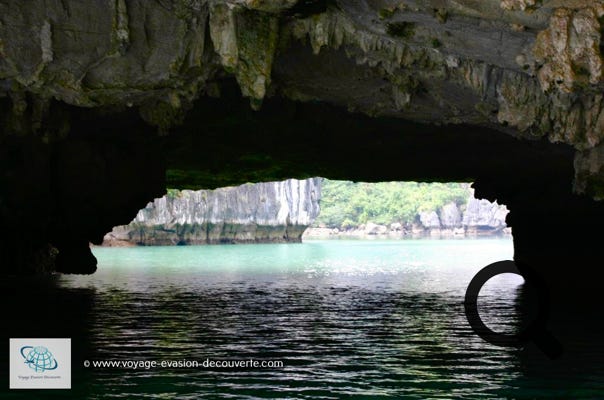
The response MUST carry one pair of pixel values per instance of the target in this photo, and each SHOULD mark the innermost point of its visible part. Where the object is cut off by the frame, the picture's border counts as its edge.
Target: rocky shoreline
(477, 218)
(373, 231)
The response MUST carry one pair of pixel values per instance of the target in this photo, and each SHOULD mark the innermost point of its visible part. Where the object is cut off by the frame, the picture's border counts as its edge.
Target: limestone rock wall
(531, 68)
(475, 217)
(261, 212)
(485, 215)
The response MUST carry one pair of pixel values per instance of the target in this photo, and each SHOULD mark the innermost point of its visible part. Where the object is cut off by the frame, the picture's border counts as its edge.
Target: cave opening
(105, 107)
(97, 168)
(410, 236)
(288, 211)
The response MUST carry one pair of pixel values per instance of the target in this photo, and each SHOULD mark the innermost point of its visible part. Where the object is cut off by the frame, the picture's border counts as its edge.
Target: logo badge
(40, 363)
(39, 358)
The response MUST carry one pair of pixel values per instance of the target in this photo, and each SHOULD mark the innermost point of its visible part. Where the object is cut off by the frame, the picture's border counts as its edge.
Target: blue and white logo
(38, 358)
(40, 363)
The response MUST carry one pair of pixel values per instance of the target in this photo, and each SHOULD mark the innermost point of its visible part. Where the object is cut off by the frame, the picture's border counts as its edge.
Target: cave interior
(361, 91)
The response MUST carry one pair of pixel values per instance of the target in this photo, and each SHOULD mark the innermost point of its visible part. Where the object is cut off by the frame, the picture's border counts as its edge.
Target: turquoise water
(348, 319)
(427, 266)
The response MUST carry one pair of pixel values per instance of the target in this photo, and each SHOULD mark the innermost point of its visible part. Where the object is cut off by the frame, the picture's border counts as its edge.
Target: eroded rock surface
(477, 216)
(532, 68)
(485, 215)
(569, 49)
(252, 213)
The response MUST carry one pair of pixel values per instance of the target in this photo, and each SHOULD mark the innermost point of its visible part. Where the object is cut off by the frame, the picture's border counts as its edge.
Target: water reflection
(334, 342)
(397, 331)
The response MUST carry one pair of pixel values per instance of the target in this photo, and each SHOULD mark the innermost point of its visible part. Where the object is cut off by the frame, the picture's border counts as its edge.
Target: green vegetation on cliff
(347, 204)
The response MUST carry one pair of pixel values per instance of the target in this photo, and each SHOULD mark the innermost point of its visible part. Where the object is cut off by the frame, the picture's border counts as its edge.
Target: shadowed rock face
(530, 68)
(252, 213)
(58, 196)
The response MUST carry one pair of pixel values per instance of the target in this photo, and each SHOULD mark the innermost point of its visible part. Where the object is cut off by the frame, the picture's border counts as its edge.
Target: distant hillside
(406, 207)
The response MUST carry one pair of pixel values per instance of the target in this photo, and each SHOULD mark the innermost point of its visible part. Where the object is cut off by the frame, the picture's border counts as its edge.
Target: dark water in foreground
(349, 319)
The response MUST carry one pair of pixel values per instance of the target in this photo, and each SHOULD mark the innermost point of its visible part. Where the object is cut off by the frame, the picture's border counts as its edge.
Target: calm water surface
(349, 319)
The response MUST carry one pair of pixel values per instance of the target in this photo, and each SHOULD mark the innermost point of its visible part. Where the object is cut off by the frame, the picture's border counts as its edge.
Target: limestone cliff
(483, 215)
(251, 213)
(476, 215)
